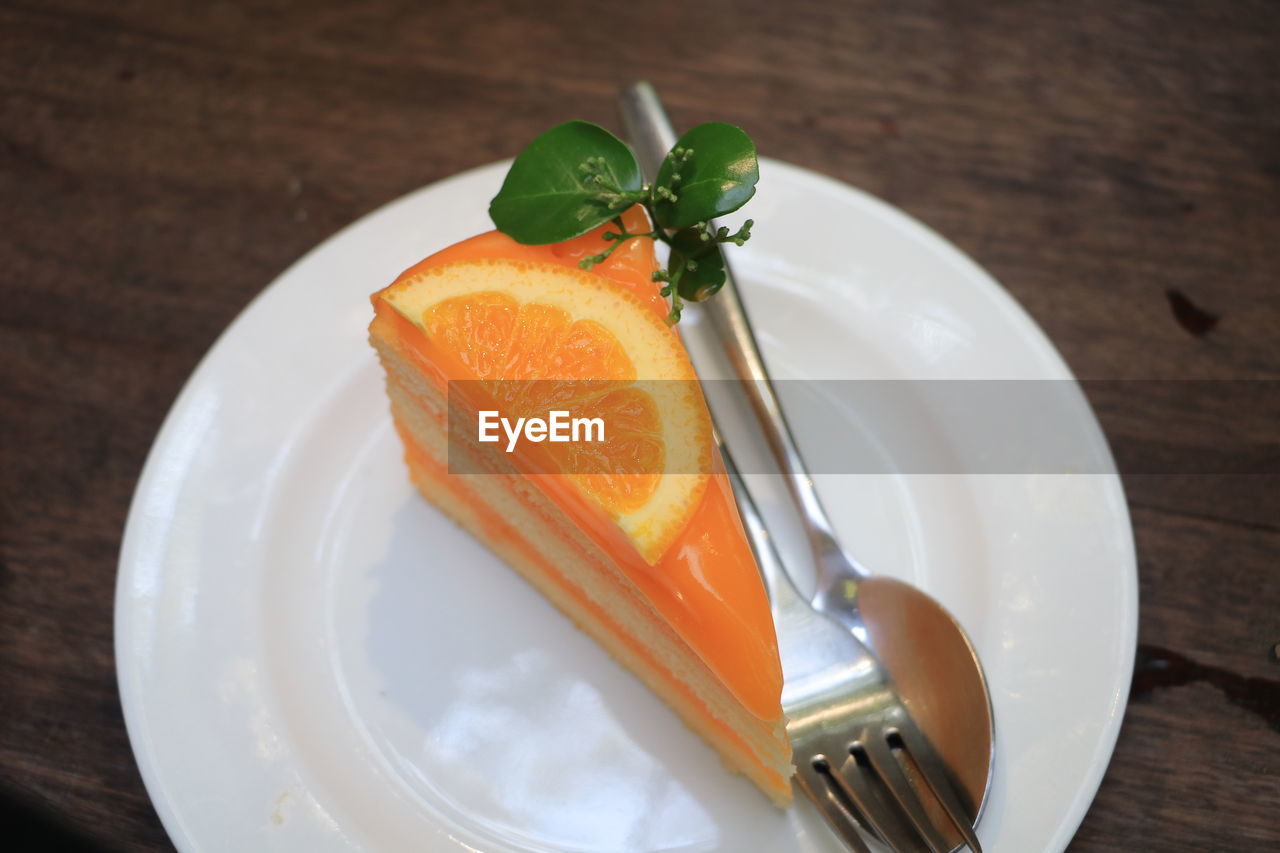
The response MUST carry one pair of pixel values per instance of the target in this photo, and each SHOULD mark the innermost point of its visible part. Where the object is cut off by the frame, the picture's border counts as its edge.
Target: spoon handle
(651, 135)
(783, 595)
(647, 127)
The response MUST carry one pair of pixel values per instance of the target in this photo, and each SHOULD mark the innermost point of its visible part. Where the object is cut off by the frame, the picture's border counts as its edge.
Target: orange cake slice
(635, 538)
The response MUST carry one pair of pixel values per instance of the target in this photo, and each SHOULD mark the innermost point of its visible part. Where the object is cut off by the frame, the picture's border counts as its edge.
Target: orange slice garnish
(540, 335)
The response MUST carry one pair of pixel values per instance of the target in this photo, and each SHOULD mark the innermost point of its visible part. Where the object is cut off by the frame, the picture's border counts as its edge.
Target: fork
(858, 754)
(861, 757)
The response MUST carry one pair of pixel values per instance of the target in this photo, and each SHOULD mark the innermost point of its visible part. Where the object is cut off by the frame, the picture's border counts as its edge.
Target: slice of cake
(638, 542)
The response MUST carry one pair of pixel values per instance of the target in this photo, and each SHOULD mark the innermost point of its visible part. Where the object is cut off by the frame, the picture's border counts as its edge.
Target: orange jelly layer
(706, 585)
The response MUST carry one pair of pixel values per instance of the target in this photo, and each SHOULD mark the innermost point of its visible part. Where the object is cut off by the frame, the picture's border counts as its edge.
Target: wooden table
(1115, 165)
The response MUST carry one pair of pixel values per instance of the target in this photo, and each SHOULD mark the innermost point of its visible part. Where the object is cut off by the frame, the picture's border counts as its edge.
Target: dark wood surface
(1115, 165)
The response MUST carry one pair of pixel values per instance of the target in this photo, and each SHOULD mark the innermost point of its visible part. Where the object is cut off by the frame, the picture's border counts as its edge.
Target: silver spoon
(924, 651)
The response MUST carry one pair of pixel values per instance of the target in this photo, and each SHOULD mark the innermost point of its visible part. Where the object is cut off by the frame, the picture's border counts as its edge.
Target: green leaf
(718, 178)
(550, 194)
(707, 275)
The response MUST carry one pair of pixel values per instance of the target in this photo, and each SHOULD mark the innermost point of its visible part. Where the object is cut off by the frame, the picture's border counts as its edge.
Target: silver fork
(861, 756)
(858, 754)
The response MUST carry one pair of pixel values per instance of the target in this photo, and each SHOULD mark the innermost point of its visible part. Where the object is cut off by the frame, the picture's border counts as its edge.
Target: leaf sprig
(578, 176)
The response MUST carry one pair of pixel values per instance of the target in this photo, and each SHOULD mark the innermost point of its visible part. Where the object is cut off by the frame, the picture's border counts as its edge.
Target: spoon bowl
(929, 660)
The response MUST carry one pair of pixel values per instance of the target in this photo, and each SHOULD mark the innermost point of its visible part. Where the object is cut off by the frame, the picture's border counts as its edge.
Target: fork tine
(882, 814)
(935, 775)
(907, 797)
(821, 788)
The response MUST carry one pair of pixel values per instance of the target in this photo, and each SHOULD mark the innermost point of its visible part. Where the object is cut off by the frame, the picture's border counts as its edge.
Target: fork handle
(652, 136)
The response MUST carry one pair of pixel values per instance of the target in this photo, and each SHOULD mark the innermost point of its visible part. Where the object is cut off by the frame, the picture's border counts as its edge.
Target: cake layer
(663, 579)
(706, 586)
(456, 499)
(420, 418)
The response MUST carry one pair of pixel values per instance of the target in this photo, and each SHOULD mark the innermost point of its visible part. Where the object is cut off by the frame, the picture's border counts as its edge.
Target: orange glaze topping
(706, 585)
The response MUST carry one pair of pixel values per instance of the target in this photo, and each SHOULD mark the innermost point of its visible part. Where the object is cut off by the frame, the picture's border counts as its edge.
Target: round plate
(311, 658)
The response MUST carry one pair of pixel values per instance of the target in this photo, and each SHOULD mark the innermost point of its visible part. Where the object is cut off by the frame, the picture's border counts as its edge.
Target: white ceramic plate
(313, 659)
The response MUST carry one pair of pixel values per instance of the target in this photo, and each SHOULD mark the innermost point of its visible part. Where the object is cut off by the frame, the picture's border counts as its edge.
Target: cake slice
(638, 542)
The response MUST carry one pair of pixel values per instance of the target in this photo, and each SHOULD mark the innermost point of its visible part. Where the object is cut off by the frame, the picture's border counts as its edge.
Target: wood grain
(159, 165)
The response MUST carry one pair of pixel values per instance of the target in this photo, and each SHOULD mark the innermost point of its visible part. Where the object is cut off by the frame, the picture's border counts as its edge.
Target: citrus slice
(541, 335)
